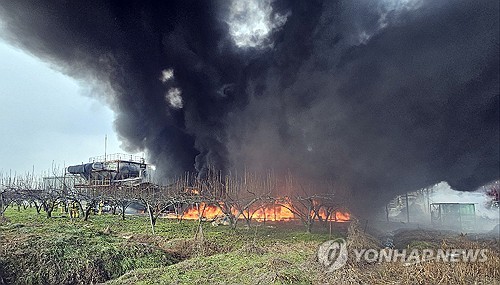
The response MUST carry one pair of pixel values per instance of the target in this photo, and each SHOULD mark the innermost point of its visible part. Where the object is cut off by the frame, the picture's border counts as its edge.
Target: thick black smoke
(381, 96)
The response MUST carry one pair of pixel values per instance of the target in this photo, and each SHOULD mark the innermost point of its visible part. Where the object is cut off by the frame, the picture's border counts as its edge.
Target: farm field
(105, 249)
(249, 142)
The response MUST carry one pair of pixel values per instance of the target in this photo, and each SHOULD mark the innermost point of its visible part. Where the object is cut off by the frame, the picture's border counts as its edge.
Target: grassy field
(105, 249)
(37, 250)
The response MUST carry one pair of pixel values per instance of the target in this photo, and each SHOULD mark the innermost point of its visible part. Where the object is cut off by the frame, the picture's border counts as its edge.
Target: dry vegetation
(427, 272)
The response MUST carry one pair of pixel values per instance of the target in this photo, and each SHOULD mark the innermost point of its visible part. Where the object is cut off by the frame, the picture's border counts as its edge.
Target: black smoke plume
(381, 97)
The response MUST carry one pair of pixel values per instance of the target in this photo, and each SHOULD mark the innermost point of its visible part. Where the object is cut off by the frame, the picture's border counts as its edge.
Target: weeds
(36, 250)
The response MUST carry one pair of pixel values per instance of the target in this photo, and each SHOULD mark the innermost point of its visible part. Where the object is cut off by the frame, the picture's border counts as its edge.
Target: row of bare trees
(239, 197)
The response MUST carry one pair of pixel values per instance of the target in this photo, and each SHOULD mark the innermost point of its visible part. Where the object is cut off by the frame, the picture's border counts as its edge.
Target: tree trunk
(152, 219)
(123, 213)
(199, 231)
(309, 227)
(48, 210)
(233, 221)
(87, 213)
(38, 208)
(124, 208)
(1, 205)
(308, 223)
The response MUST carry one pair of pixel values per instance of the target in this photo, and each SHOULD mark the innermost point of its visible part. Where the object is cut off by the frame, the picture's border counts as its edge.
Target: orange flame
(335, 216)
(273, 212)
(270, 212)
(202, 210)
(342, 216)
(192, 191)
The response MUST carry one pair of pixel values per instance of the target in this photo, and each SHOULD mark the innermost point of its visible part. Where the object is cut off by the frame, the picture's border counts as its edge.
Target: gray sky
(45, 117)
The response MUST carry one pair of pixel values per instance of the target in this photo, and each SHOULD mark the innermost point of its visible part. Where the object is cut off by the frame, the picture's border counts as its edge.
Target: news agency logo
(332, 254)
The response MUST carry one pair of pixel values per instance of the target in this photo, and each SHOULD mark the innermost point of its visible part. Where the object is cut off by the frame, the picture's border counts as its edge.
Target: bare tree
(251, 194)
(10, 191)
(5, 199)
(48, 198)
(122, 196)
(304, 205)
(157, 200)
(44, 193)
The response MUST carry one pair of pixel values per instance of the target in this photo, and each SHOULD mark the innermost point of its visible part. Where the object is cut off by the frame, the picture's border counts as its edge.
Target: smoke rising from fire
(381, 97)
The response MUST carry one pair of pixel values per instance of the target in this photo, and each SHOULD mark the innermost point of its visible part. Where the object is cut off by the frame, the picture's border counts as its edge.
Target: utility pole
(428, 200)
(387, 212)
(105, 146)
(407, 209)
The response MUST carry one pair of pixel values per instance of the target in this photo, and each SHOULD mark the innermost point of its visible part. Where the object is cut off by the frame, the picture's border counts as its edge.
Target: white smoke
(443, 193)
(487, 215)
(166, 75)
(401, 5)
(252, 22)
(174, 98)
(389, 11)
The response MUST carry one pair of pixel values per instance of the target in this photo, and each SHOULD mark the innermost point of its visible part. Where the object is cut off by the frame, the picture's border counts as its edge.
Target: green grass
(63, 251)
(37, 250)
(280, 264)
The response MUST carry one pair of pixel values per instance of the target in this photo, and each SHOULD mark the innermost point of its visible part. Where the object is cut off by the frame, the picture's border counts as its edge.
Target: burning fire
(192, 191)
(270, 212)
(274, 212)
(335, 216)
(202, 210)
